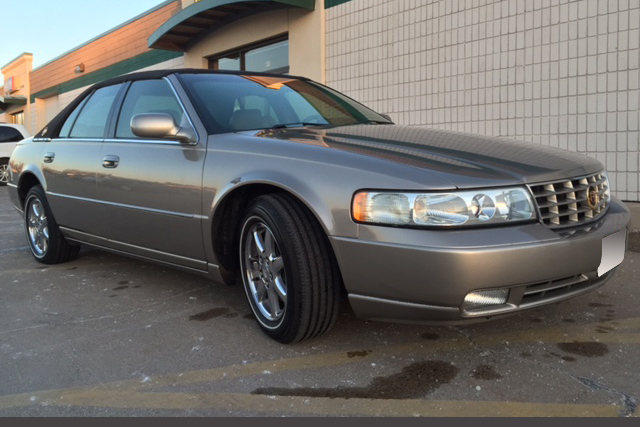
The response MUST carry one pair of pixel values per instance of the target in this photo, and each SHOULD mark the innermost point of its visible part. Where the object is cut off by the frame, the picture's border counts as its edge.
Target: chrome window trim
(184, 109)
(122, 205)
(78, 139)
(143, 141)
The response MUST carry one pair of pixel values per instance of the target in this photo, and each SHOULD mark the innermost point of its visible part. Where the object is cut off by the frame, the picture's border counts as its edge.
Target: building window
(17, 118)
(270, 56)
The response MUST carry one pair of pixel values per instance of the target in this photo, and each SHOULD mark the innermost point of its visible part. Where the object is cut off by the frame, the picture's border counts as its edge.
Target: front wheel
(288, 270)
(47, 244)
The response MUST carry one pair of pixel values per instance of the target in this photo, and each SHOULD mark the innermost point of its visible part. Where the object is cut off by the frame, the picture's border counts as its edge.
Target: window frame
(243, 50)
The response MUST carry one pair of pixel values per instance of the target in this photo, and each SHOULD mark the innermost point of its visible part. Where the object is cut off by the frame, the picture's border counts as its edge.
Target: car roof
(159, 74)
(55, 125)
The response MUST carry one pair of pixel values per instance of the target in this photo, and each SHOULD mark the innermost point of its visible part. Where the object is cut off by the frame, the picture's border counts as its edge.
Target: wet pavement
(106, 335)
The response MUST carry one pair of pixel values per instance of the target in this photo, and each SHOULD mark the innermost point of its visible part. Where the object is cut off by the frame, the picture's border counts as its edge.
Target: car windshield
(235, 103)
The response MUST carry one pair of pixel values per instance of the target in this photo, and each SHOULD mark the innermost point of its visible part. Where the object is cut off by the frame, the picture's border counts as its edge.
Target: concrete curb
(634, 227)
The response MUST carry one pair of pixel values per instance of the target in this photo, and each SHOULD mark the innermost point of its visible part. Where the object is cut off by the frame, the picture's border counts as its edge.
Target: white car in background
(10, 135)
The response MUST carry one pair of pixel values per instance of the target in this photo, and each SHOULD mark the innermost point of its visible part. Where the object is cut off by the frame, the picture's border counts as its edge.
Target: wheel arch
(231, 203)
(28, 179)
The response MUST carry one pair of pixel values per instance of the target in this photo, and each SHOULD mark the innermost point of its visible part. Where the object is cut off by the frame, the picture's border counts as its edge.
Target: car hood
(464, 160)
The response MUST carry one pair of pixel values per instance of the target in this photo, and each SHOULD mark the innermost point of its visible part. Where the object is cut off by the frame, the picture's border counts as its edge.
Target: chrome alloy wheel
(4, 173)
(37, 227)
(265, 281)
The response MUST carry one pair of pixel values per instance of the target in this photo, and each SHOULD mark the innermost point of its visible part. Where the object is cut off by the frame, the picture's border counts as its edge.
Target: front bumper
(423, 276)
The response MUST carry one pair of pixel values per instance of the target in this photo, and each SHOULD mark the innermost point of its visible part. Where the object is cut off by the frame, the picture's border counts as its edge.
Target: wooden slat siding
(120, 45)
(130, 65)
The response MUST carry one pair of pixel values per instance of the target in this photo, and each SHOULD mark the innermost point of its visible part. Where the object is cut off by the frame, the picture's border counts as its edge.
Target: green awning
(6, 101)
(193, 23)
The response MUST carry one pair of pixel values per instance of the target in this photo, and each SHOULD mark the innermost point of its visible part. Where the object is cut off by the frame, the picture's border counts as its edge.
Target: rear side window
(9, 134)
(92, 120)
(147, 96)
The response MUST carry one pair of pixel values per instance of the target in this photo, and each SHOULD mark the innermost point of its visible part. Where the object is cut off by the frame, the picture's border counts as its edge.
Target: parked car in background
(10, 135)
(304, 194)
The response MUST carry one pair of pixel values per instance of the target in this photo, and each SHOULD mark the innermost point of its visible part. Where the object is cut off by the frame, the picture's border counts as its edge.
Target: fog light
(485, 299)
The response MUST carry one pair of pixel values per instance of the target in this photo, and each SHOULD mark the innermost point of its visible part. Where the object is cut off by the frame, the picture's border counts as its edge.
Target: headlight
(460, 208)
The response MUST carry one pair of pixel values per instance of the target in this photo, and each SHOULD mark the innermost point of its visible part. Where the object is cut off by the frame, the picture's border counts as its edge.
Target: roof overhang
(6, 101)
(193, 23)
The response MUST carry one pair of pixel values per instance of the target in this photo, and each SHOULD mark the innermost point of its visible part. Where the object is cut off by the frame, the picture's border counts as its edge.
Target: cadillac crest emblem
(593, 197)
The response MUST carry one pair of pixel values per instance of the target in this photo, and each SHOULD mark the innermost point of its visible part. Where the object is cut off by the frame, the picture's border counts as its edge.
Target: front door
(151, 190)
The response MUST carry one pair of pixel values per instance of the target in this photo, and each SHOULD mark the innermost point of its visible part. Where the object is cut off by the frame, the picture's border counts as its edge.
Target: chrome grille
(564, 204)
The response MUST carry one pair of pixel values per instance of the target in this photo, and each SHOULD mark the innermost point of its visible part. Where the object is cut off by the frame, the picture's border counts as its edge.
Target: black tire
(4, 172)
(310, 272)
(47, 244)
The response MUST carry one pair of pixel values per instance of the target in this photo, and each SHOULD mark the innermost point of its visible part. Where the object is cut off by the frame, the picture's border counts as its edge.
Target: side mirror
(161, 126)
(388, 117)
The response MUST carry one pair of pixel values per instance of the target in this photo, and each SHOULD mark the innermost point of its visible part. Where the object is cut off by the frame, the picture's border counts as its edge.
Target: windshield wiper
(376, 122)
(298, 124)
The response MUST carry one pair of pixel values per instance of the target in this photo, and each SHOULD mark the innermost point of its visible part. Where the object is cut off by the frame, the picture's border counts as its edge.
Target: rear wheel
(4, 172)
(288, 270)
(47, 244)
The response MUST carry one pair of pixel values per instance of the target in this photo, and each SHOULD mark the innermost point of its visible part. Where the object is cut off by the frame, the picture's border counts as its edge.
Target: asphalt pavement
(105, 335)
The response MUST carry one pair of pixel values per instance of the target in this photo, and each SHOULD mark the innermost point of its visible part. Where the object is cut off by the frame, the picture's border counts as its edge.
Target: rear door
(151, 190)
(71, 160)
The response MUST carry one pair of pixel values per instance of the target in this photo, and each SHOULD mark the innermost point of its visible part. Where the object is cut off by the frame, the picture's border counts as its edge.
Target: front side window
(148, 96)
(92, 120)
(232, 103)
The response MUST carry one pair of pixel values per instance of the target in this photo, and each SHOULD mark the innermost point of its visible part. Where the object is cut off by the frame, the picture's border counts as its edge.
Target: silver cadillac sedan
(305, 194)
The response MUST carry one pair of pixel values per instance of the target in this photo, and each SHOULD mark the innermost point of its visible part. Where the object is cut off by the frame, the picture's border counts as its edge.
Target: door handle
(110, 162)
(48, 157)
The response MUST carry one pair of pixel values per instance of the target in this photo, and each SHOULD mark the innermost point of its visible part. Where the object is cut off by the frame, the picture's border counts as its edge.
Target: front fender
(306, 194)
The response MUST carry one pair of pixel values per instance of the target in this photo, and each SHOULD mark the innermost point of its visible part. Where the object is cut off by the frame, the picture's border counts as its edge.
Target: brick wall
(562, 73)
(117, 46)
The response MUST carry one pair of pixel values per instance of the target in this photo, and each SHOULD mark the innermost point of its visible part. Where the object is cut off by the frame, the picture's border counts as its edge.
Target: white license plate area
(613, 248)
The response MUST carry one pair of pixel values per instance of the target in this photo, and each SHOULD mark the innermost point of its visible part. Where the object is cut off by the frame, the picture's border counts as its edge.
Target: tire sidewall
(281, 327)
(36, 193)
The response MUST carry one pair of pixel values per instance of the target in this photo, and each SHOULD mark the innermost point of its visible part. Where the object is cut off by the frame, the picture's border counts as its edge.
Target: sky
(49, 28)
